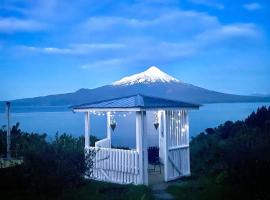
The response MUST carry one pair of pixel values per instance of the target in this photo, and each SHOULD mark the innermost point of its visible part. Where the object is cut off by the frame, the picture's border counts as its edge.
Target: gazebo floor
(157, 176)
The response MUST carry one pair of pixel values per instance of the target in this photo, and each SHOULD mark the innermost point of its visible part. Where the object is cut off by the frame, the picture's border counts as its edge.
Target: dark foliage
(21, 142)
(48, 167)
(239, 152)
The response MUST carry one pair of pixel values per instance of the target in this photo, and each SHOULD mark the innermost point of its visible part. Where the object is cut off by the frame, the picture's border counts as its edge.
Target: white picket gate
(177, 139)
(115, 165)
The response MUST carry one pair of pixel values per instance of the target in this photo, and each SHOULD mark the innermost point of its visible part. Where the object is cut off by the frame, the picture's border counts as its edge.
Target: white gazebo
(131, 166)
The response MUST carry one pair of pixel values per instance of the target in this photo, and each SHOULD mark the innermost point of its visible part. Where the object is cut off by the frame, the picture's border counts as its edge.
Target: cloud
(176, 23)
(75, 49)
(131, 38)
(230, 32)
(252, 6)
(240, 30)
(178, 17)
(104, 63)
(164, 38)
(209, 3)
(182, 26)
(39, 9)
(46, 50)
(145, 51)
(11, 25)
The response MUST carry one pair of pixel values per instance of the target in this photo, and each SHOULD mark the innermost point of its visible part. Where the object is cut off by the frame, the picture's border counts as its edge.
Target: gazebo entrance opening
(169, 121)
(169, 160)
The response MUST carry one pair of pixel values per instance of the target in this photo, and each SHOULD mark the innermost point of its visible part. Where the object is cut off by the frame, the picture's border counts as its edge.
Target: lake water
(52, 119)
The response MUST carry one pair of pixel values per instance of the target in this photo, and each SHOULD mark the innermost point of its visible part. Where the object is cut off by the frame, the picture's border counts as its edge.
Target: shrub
(48, 167)
(238, 152)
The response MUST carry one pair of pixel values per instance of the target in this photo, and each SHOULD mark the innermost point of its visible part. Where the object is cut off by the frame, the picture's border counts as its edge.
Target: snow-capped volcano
(151, 75)
(152, 82)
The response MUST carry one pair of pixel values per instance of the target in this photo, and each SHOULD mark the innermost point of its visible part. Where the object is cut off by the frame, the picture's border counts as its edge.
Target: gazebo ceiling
(134, 102)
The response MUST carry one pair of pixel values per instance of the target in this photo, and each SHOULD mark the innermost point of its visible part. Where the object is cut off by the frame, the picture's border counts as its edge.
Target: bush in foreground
(48, 167)
(232, 161)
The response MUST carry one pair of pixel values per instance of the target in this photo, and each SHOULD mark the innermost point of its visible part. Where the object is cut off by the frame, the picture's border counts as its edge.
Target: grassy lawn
(202, 188)
(91, 190)
(107, 191)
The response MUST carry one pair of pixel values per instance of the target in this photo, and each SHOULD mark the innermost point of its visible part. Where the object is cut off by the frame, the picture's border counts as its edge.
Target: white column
(87, 130)
(162, 135)
(109, 131)
(141, 146)
(165, 121)
(145, 149)
(160, 138)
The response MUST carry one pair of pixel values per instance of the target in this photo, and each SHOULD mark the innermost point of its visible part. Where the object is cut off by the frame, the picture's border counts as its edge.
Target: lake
(52, 119)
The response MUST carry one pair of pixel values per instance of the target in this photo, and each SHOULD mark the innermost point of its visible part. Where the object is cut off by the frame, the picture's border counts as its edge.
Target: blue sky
(58, 46)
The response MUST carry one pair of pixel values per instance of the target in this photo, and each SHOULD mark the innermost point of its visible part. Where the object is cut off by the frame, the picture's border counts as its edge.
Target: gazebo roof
(134, 102)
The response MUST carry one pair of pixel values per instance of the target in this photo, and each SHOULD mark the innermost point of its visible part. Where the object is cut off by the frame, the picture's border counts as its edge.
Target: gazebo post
(164, 120)
(109, 132)
(139, 144)
(145, 149)
(141, 147)
(87, 130)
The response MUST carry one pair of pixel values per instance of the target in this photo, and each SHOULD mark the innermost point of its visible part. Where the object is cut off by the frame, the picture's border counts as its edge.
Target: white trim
(113, 149)
(105, 143)
(169, 108)
(178, 147)
(130, 109)
(181, 176)
(174, 165)
(106, 109)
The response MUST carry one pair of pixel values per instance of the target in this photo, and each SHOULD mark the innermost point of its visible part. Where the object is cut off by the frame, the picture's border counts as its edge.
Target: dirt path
(160, 193)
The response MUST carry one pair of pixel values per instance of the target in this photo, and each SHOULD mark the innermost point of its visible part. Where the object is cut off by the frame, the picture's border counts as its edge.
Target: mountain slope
(151, 82)
(152, 75)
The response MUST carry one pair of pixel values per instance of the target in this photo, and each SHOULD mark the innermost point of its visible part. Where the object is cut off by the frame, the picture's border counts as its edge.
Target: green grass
(91, 190)
(107, 191)
(202, 188)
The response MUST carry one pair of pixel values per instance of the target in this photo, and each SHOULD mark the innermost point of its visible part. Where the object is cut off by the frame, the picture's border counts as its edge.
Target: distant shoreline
(34, 109)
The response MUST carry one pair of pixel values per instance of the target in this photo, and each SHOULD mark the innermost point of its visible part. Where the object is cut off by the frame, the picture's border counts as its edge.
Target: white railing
(104, 143)
(115, 165)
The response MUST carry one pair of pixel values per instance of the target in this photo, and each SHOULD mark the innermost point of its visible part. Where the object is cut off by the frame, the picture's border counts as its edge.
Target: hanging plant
(156, 123)
(113, 123)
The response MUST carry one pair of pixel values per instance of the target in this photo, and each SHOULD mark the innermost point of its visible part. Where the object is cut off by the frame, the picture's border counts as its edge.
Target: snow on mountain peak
(151, 75)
